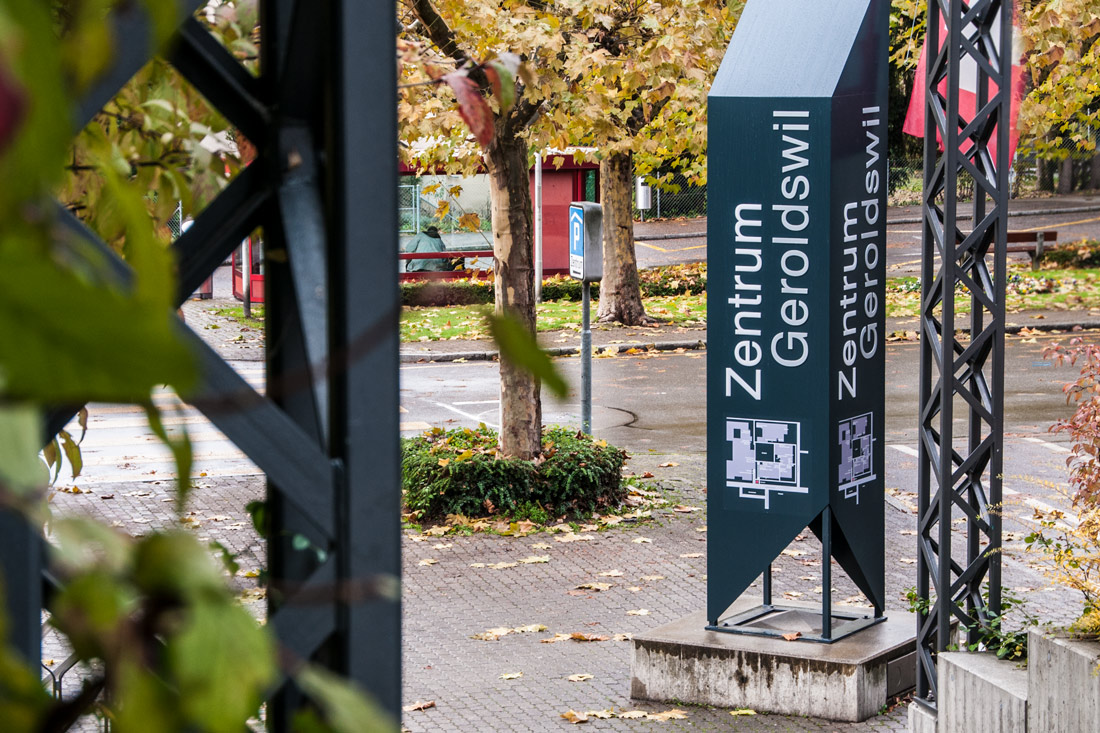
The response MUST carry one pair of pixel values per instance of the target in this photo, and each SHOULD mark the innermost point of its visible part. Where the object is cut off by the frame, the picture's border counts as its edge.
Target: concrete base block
(1063, 684)
(978, 692)
(921, 719)
(845, 680)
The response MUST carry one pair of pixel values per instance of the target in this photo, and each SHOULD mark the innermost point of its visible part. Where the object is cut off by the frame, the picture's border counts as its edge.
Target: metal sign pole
(538, 227)
(586, 265)
(586, 359)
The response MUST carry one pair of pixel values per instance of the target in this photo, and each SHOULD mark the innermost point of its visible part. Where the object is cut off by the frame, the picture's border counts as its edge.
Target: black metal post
(962, 478)
(366, 307)
(827, 574)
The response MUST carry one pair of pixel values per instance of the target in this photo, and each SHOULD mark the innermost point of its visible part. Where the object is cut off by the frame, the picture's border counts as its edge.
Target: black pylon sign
(796, 248)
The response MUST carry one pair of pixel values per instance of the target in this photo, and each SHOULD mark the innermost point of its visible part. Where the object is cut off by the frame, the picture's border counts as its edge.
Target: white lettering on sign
(863, 235)
(774, 233)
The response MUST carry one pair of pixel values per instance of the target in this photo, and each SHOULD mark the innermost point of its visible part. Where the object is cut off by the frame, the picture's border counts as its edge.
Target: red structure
(561, 185)
(256, 283)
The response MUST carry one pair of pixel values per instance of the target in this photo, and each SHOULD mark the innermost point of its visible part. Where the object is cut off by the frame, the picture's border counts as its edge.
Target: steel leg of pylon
(962, 478)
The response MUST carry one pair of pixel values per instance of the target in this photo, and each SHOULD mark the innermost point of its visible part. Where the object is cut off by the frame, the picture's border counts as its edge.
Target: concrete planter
(979, 692)
(1059, 692)
(1063, 690)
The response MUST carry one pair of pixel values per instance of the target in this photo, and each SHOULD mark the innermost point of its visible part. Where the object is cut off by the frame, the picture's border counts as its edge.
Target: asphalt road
(656, 403)
(903, 241)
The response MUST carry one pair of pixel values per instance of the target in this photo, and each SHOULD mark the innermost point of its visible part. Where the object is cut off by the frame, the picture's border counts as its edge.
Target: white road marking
(464, 414)
(905, 449)
(1048, 445)
(478, 402)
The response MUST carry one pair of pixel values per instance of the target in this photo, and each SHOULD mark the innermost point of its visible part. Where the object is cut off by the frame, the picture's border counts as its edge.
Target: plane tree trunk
(521, 406)
(620, 290)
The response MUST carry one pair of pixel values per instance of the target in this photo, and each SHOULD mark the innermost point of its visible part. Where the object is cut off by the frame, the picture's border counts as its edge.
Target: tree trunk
(521, 406)
(1094, 171)
(620, 292)
(1046, 175)
(1065, 176)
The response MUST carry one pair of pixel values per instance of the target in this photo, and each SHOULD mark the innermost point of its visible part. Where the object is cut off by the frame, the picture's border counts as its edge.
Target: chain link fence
(1078, 170)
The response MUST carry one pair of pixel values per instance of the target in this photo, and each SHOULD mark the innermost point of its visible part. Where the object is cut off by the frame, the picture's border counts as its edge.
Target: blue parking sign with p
(576, 242)
(586, 241)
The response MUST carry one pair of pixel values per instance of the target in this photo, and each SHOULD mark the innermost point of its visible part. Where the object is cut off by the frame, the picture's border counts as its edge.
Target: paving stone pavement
(448, 602)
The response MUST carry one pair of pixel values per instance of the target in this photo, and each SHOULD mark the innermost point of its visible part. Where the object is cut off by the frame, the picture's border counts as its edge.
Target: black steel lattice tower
(961, 376)
(322, 114)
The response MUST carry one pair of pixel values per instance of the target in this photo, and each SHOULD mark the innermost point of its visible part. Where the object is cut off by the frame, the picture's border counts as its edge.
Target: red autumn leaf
(13, 105)
(472, 106)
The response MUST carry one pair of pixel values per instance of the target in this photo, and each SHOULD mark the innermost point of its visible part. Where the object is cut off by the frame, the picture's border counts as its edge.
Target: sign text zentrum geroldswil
(794, 251)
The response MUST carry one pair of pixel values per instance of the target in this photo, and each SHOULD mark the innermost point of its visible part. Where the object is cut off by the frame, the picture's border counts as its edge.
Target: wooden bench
(1033, 243)
(445, 255)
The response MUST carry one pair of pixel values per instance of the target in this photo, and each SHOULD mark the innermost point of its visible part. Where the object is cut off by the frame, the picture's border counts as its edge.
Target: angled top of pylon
(790, 48)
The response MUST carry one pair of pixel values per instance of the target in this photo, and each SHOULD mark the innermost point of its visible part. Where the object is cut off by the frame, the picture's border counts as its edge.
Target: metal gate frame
(958, 480)
(322, 114)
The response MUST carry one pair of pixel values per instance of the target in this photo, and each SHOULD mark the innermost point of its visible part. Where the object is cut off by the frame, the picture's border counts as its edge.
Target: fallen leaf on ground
(684, 509)
(653, 577)
(443, 546)
(638, 612)
(477, 564)
(692, 554)
(555, 638)
(907, 561)
(641, 540)
(647, 474)
(502, 565)
(792, 594)
(793, 635)
(492, 634)
(633, 714)
(511, 675)
(634, 588)
(437, 531)
(540, 546)
(700, 529)
(743, 711)
(418, 705)
(668, 715)
(428, 561)
(579, 677)
(670, 464)
(601, 714)
(793, 553)
(612, 574)
(574, 717)
(571, 537)
(533, 559)
(622, 637)
(580, 636)
(594, 586)
(530, 629)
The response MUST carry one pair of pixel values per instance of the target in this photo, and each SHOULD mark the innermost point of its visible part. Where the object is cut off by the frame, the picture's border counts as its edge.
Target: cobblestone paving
(448, 602)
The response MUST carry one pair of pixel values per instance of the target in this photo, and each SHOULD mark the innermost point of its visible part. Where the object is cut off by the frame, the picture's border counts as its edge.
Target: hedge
(459, 471)
(689, 279)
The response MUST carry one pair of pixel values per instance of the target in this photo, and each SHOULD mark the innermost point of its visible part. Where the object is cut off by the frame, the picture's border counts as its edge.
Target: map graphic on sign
(765, 457)
(856, 437)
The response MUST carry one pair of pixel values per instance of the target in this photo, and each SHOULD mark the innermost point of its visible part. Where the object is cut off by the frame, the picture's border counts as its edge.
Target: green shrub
(447, 292)
(689, 279)
(460, 472)
(1085, 253)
